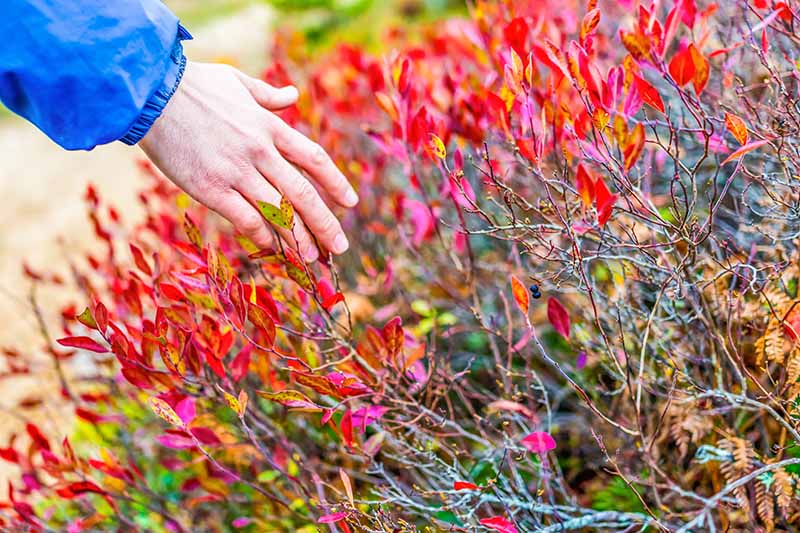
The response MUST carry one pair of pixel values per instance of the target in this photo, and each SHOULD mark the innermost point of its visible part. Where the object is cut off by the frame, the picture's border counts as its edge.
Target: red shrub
(591, 151)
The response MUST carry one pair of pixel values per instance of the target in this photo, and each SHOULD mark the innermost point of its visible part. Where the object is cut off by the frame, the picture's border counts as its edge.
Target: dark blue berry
(534, 288)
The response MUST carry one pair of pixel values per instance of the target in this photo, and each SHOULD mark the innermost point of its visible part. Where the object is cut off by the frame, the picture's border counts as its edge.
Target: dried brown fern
(765, 506)
(687, 426)
(741, 464)
(783, 489)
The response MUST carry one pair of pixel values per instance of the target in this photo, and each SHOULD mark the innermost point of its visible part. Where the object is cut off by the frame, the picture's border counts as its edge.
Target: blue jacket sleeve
(89, 72)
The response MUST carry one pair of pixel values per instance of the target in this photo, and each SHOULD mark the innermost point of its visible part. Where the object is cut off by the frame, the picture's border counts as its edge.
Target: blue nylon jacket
(89, 72)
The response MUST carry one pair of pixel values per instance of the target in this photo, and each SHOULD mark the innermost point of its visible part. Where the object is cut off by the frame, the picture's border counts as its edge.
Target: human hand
(218, 140)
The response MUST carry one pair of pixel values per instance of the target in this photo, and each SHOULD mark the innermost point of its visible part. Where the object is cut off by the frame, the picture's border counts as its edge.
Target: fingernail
(351, 198)
(340, 244)
(291, 92)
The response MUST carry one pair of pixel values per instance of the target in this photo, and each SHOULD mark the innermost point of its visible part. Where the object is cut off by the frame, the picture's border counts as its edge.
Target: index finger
(312, 158)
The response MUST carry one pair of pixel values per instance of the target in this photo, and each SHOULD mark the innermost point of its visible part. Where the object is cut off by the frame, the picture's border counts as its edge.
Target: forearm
(89, 72)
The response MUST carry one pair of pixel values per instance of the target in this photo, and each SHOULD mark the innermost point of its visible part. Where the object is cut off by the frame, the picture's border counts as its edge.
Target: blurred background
(44, 220)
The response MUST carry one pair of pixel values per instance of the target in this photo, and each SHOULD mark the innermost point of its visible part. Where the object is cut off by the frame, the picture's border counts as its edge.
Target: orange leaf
(290, 398)
(320, 384)
(737, 128)
(348, 486)
(701, 69)
(682, 68)
(637, 45)
(554, 55)
(585, 186)
(744, 149)
(415, 355)
(634, 146)
(589, 23)
(387, 105)
(520, 294)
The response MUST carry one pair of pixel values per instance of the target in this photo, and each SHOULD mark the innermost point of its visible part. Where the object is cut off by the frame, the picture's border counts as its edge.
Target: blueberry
(534, 288)
(535, 291)
(536, 295)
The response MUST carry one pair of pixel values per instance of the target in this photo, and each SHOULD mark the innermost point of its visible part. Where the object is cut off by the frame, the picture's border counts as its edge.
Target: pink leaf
(84, 343)
(539, 442)
(331, 518)
(744, 149)
(558, 317)
(498, 523)
(242, 521)
(185, 409)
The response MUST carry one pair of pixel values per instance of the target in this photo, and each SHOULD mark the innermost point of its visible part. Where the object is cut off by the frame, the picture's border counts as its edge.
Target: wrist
(155, 105)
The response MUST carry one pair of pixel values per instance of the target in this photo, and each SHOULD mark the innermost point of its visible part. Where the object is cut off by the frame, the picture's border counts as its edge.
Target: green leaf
(448, 518)
(282, 215)
(616, 496)
(87, 319)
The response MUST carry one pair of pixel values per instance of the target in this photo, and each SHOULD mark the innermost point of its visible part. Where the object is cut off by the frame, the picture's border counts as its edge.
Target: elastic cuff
(158, 100)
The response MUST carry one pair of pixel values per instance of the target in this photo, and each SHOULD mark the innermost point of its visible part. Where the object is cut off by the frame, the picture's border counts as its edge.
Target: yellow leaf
(437, 146)
(165, 411)
(348, 487)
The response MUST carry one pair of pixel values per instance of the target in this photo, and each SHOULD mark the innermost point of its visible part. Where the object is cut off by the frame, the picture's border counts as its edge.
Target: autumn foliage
(571, 302)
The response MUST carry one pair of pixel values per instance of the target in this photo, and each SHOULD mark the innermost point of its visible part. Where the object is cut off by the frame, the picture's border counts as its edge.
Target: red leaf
(171, 291)
(9, 454)
(84, 343)
(605, 201)
(649, 94)
(498, 523)
(516, 33)
(744, 149)
(682, 68)
(346, 426)
(539, 442)
(393, 338)
(783, 11)
(465, 485)
(520, 294)
(138, 258)
(332, 300)
(74, 490)
(558, 317)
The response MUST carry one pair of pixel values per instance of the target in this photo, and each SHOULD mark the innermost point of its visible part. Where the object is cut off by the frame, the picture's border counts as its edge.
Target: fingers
(267, 96)
(306, 201)
(255, 188)
(246, 218)
(310, 156)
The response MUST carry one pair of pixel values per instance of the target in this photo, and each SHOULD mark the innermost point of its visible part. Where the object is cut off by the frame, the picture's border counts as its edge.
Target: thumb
(268, 96)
